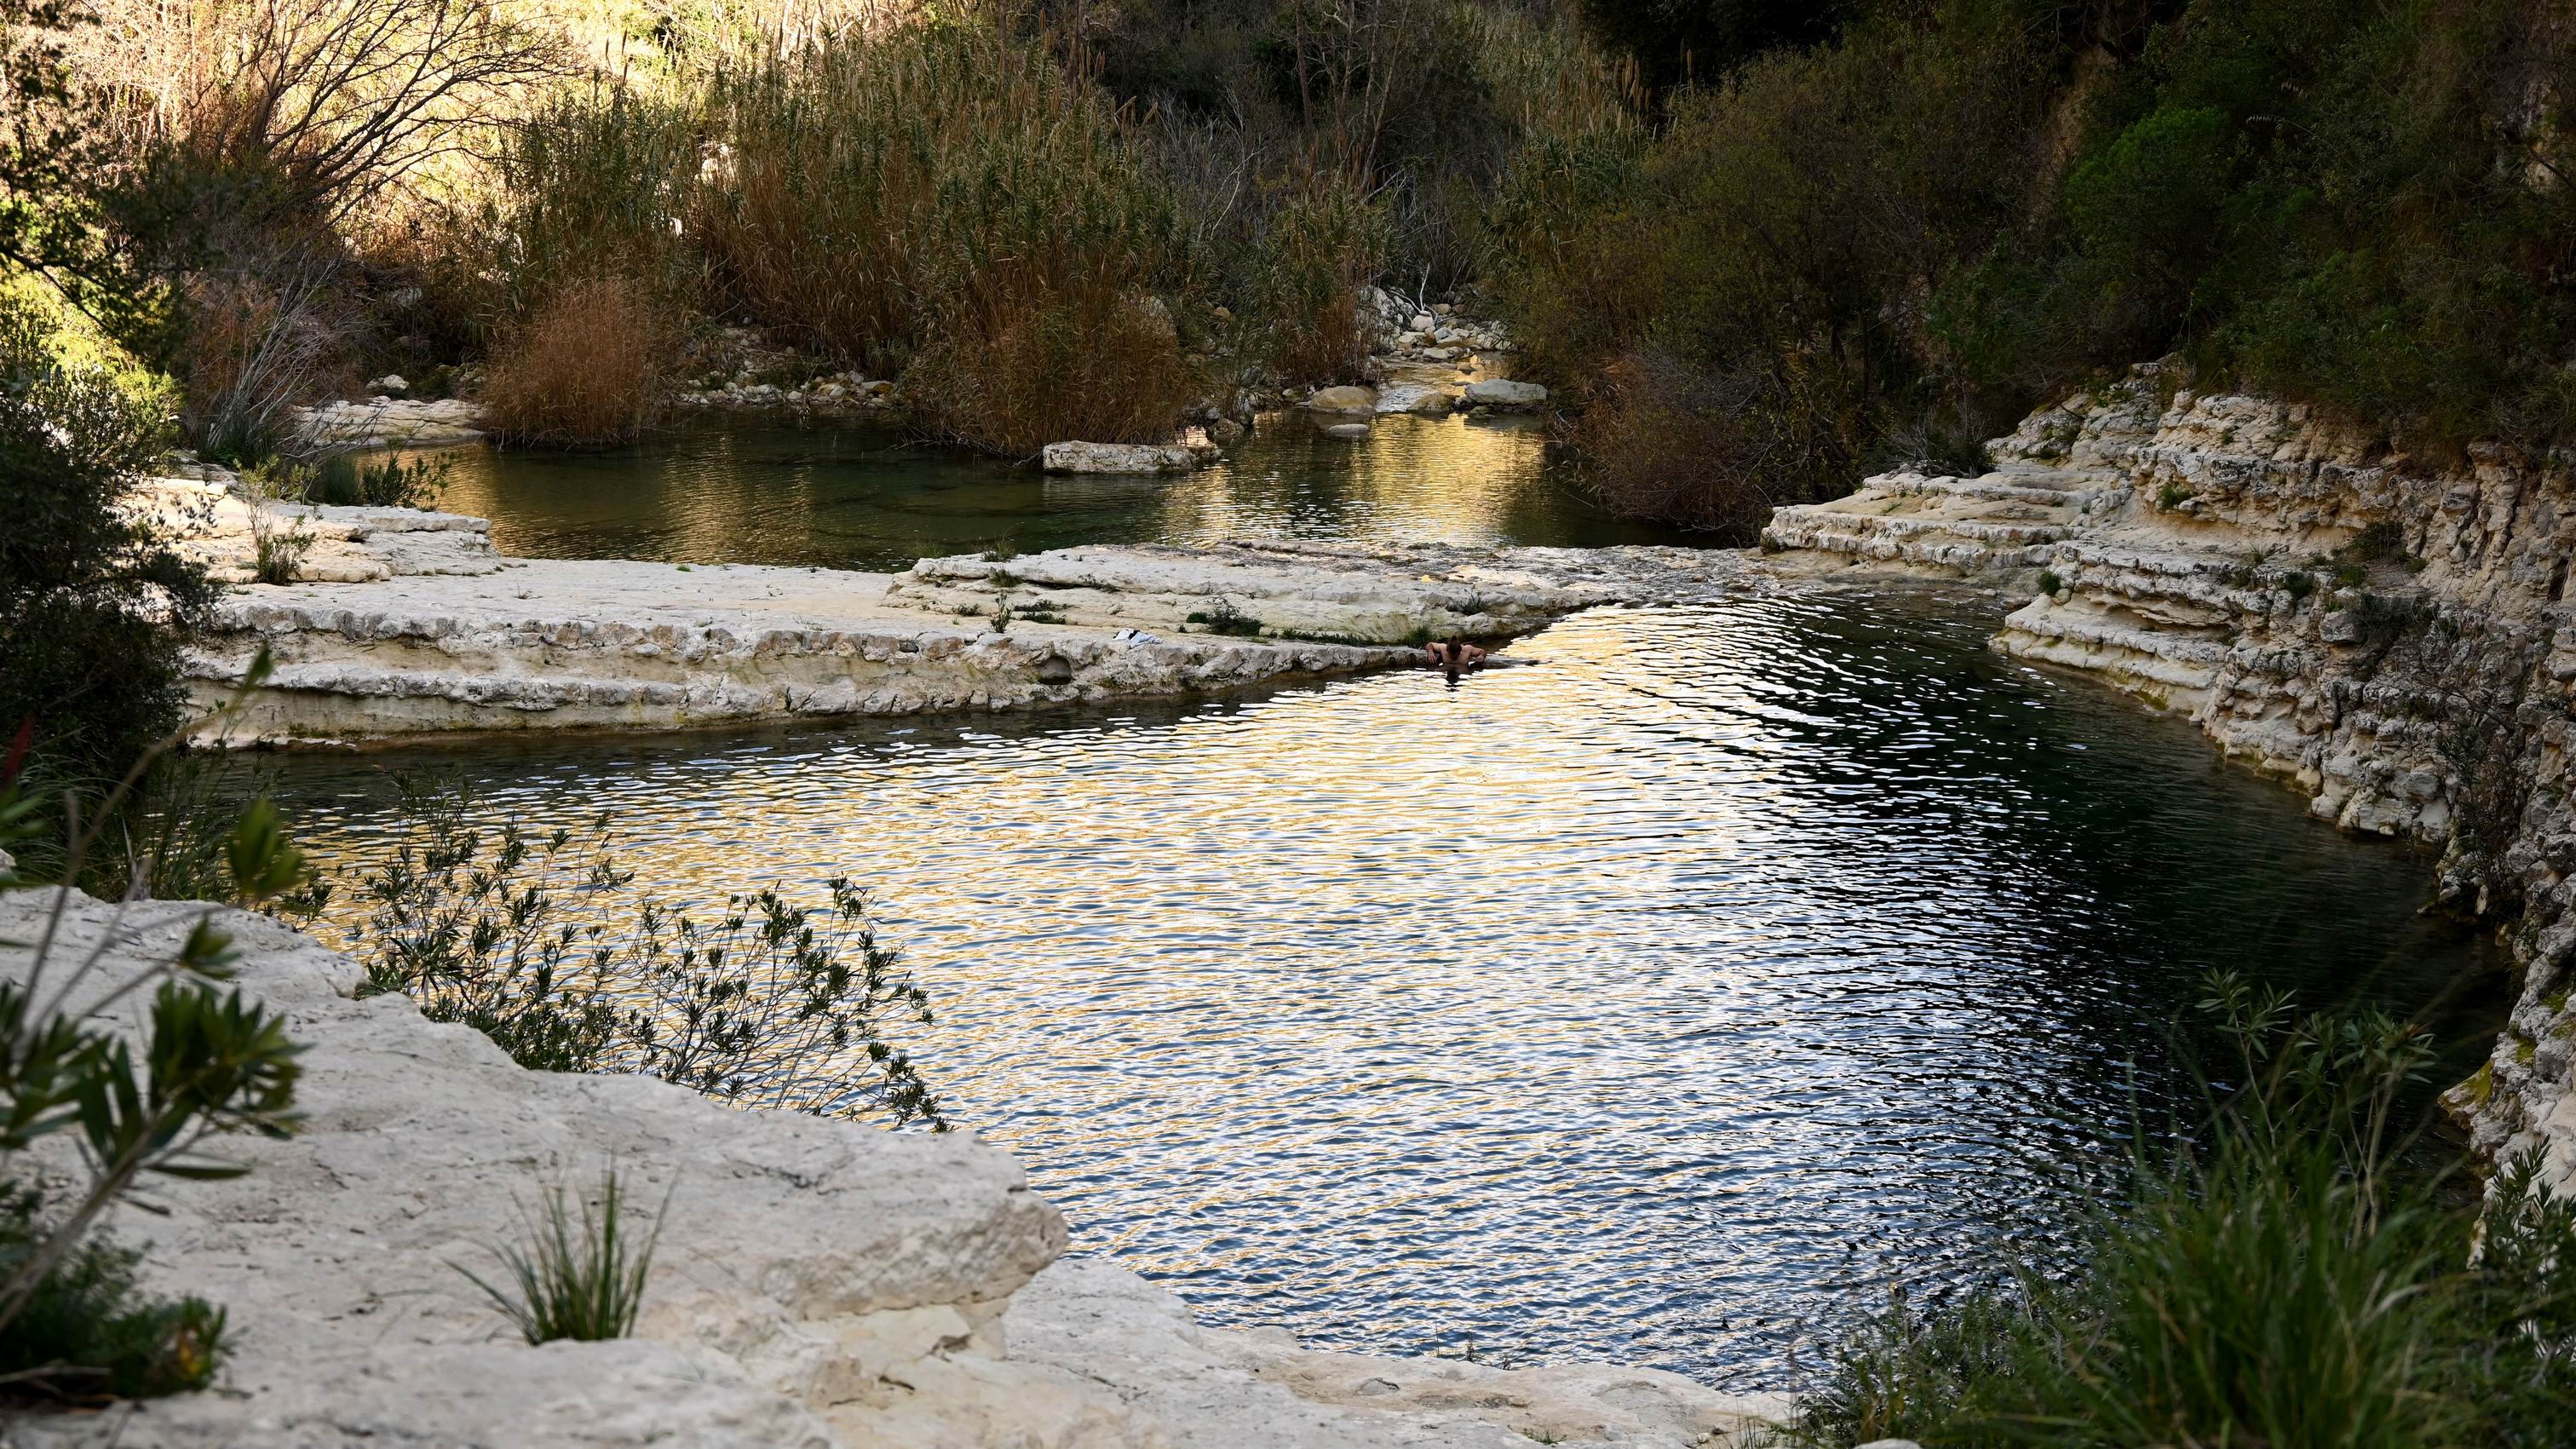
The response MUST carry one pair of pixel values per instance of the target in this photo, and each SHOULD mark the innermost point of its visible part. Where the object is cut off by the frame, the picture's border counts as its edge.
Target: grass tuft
(584, 1283)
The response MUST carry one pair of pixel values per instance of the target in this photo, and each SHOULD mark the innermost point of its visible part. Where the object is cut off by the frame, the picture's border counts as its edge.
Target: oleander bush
(203, 1060)
(543, 944)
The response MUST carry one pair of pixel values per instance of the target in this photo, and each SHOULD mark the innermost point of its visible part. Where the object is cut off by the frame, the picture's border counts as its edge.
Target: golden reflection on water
(867, 499)
(1649, 1003)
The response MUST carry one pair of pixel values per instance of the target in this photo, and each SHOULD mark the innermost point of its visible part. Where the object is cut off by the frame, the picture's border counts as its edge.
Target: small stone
(392, 384)
(1423, 322)
(1347, 430)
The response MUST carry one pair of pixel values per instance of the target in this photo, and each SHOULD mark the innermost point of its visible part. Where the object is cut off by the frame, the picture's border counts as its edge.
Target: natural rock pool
(1657, 1003)
(866, 499)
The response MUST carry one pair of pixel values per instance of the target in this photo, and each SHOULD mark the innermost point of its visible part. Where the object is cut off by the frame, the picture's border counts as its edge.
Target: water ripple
(1658, 1003)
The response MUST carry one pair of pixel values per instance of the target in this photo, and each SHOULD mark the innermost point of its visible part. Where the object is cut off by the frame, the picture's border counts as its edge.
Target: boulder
(1345, 399)
(1415, 397)
(1117, 458)
(1502, 392)
(392, 384)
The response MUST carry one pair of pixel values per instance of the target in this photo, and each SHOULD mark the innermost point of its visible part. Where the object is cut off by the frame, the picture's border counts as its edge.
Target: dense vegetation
(1042, 224)
(1881, 230)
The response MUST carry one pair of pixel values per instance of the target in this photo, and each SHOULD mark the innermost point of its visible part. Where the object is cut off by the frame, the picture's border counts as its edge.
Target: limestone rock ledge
(421, 646)
(816, 1284)
(2386, 633)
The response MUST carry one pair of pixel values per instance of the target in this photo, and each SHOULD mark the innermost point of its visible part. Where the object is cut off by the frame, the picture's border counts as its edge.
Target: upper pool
(866, 498)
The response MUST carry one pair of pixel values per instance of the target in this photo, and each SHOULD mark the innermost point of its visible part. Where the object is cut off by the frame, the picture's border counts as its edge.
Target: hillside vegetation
(1878, 231)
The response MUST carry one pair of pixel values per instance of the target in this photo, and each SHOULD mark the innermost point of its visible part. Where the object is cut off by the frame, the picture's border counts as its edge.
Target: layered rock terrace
(2385, 633)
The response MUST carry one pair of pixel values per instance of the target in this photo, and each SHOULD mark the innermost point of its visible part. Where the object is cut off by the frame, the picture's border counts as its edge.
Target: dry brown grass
(586, 370)
(1014, 372)
(1667, 439)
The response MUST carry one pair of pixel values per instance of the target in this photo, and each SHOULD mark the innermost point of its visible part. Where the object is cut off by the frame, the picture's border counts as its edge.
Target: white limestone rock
(1504, 394)
(1118, 458)
(392, 422)
(1420, 398)
(1345, 399)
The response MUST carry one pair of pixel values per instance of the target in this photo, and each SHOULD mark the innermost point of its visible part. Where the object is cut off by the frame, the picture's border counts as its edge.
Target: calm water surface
(1661, 1002)
(867, 499)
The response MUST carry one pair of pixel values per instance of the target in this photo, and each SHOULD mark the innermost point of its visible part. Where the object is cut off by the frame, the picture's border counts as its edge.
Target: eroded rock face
(2385, 633)
(817, 1284)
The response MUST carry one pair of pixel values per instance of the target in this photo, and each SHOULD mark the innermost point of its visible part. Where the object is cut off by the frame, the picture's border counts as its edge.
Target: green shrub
(540, 943)
(86, 1332)
(1225, 618)
(2289, 1276)
(83, 577)
(387, 482)
(1971, 206)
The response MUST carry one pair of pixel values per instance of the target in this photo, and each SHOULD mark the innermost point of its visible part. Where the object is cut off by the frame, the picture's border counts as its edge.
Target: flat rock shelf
(404, 623)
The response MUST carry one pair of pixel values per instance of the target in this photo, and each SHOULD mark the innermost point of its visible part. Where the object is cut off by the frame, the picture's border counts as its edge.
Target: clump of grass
(951, 202)
(583, 1283)
(385, 482)
(1225, 618)
(588, 369)
(1324, 238)
(2287, 1276)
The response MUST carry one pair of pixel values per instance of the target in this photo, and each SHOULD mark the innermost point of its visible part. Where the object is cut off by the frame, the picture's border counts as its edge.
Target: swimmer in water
(1453, 656)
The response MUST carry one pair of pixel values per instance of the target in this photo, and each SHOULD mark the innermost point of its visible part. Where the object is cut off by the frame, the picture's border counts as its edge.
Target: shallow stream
(1661, 1002)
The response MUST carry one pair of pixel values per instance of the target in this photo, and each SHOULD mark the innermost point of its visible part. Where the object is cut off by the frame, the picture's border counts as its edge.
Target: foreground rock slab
(816, 1284)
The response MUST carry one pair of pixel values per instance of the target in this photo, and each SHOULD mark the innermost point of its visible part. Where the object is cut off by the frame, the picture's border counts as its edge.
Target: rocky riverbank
(816, 1283)
(403, 623)
(2387, 634)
